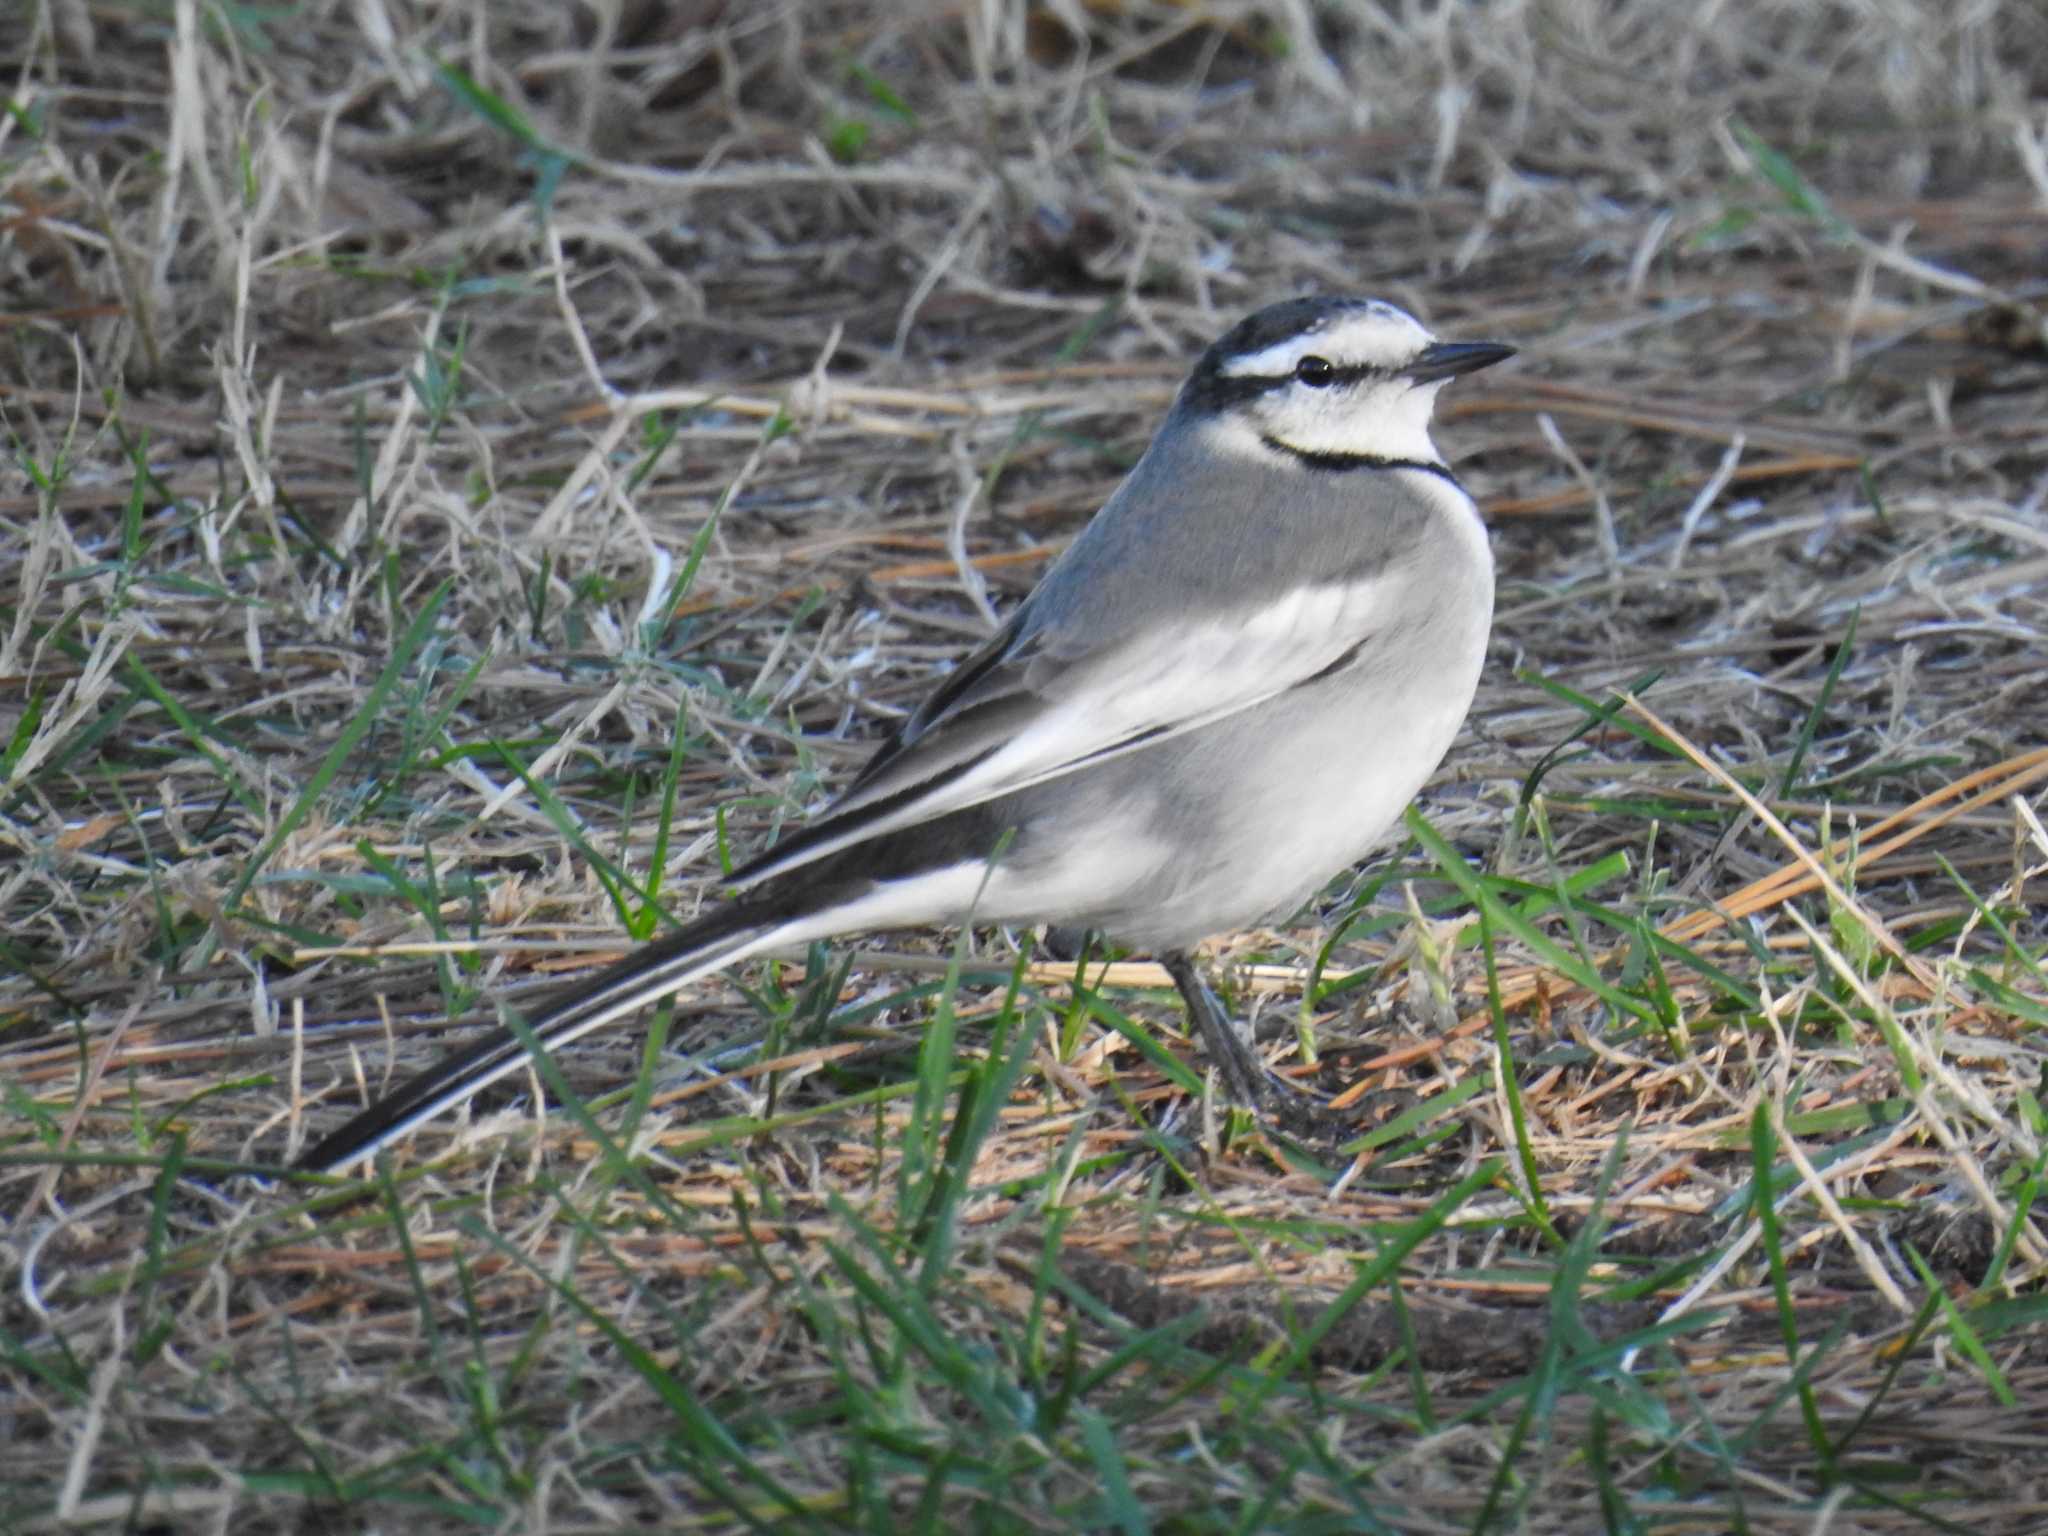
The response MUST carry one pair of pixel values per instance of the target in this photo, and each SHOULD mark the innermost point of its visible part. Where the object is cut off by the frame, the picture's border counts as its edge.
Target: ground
(476, 470)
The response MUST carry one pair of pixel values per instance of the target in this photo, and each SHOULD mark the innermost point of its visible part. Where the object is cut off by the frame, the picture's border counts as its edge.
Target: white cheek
(1385, 421)
(1240, 437)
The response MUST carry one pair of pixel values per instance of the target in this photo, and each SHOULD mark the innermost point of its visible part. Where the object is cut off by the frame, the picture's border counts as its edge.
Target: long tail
(650, 972)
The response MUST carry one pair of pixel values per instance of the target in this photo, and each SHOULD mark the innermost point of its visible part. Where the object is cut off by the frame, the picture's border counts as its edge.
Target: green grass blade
(1368, 1276)
(1480, 893)
(359, 724)
(1819, 711)
(1763, 1153)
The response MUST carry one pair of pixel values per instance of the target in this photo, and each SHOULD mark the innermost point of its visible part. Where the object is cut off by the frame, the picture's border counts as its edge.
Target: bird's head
(1329, 381)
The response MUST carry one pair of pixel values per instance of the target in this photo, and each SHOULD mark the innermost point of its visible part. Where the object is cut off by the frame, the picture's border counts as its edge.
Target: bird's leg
(1277, 1103)
(1244, 1075)
(1068, 943)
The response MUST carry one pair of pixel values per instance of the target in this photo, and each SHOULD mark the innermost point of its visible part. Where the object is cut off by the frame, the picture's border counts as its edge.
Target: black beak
(1448, 359)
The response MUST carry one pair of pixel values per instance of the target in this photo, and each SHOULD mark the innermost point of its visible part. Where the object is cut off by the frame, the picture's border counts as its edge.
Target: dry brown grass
(338, 333)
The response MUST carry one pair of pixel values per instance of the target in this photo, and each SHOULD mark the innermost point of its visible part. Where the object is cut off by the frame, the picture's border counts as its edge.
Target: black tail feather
(651, 972)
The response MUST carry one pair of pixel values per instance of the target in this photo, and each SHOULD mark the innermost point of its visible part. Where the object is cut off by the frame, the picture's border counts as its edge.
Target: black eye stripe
(1210, 389)
(1339, 373)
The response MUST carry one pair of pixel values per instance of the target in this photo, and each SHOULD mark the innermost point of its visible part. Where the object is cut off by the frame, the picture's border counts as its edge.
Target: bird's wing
(1037, 702)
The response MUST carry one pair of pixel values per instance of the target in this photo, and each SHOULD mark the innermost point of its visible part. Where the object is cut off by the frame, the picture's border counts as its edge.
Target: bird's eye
(1316, 372)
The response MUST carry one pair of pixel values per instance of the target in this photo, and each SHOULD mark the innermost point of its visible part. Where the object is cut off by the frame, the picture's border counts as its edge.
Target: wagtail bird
(1216, 700)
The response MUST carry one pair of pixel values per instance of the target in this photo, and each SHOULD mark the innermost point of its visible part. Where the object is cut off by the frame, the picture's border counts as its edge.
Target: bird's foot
(1284, 1106)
